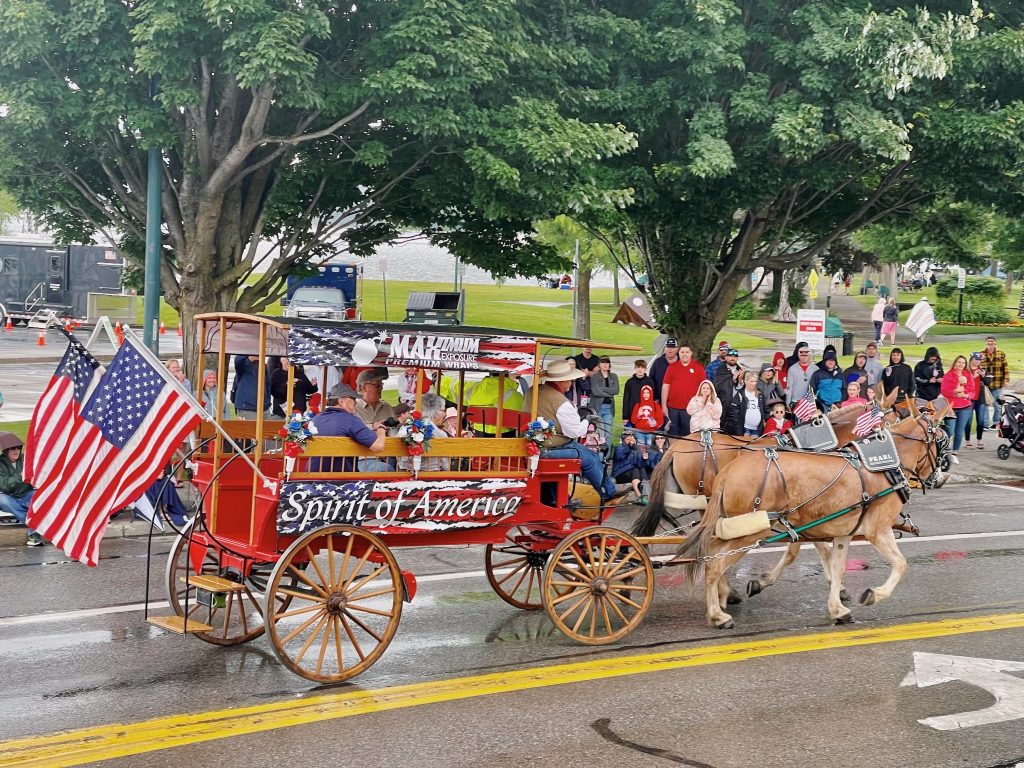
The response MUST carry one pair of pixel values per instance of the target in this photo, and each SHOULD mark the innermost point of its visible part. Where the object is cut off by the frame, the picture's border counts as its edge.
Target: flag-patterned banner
(406, 504)
(868, 421)
(360, 344)
(805, 409)
(46, 444)
(119, 442)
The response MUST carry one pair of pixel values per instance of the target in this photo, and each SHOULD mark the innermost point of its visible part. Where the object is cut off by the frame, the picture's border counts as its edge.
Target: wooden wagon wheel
(241, 617)
(346, 603)
(598, 585)
(515, 571)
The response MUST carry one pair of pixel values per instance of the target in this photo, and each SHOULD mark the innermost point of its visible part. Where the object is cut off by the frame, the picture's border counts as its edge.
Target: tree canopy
(308, 124)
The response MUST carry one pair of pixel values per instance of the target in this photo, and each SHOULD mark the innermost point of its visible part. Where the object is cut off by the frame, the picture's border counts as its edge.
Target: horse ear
(940, 416)
(912, 405)
(888, 400)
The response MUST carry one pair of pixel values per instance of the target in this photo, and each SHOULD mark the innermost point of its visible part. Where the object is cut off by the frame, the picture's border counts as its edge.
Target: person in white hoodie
(873, 366)
(877, 319)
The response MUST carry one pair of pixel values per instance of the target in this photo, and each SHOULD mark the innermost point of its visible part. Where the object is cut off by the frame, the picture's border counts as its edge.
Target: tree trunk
(616, 300)
(778, 276)
(747, 283)
(1020, 307)
(890, 276)
(699, 328)
(582, 329)
(1008, 287)
(784, 313)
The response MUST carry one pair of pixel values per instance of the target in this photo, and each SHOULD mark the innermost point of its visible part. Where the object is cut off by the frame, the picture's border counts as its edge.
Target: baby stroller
(1011, 425)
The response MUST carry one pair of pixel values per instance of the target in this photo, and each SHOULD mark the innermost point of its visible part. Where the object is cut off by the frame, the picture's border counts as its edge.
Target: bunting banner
(358, 344)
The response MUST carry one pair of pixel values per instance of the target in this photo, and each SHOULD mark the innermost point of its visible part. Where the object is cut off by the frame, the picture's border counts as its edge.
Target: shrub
(975, 287)
(980, 313)
(797, 298)
(742, 310)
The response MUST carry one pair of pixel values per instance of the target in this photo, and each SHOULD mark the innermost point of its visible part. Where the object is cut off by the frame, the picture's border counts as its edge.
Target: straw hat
(560, 370)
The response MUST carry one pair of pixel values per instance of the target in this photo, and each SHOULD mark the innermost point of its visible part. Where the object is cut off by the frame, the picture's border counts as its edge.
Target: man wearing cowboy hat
(553, 406)
(15, 493)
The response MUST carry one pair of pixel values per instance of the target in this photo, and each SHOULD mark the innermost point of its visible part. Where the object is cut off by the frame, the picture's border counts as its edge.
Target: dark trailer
(41, 281)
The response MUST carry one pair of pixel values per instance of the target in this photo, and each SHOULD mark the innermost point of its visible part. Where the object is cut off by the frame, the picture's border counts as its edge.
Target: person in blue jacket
(243, 394)
(629, 463)
(827, 382)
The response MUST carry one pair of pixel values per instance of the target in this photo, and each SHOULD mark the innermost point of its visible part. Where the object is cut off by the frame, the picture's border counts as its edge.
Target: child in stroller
(1011, 425)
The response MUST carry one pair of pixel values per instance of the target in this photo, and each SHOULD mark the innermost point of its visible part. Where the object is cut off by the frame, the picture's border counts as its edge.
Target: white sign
(961, 278)
(810, 327)
(990, 674)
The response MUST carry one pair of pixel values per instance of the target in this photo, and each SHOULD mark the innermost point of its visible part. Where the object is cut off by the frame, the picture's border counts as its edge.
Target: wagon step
(212, 583)
(179, 624)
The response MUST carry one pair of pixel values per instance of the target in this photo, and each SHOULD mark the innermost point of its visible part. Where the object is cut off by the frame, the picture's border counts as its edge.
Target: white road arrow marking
(990, 674)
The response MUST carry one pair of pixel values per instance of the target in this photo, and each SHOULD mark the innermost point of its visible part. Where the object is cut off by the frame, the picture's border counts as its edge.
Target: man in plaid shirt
(994, 362)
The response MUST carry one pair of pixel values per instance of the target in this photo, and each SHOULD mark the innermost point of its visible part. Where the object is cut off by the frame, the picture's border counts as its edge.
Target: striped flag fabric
(46, 443)
(868, 421)
(804, 409)
(120, 440)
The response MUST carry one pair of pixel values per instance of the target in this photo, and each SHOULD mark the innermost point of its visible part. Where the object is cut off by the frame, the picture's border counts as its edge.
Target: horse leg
(756, 586)
(825, 555)
(716, 590)
(840, 548)
(725, 592)
(885, 543)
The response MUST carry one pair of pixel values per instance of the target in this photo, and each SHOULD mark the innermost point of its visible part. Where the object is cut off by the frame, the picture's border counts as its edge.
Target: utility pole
(151, 274)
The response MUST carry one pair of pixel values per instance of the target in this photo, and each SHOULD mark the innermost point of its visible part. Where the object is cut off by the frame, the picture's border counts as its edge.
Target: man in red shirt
(677, 389)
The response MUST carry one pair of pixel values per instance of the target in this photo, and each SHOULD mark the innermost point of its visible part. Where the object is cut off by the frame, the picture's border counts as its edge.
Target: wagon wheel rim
(598, 586)
(514, 572)
(241, 618)
(346, 603)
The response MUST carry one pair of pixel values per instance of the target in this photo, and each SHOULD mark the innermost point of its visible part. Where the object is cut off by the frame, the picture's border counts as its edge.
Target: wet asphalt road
(843, 705)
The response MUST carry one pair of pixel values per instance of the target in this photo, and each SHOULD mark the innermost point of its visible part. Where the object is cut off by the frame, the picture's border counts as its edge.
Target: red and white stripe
(74, 510)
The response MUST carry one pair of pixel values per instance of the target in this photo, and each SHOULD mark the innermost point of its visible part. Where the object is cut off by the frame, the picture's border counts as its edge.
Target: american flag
(867, 421)
(47, 440)
(135, 418)
(805, 409)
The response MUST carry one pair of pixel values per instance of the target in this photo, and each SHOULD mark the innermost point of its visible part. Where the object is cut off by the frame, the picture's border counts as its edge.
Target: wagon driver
(553, 406)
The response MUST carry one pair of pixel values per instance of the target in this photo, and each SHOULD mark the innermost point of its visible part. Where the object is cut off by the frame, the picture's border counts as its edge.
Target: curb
(15, 535)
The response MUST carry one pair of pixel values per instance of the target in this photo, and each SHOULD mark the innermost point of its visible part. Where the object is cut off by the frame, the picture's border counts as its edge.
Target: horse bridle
(934, 435)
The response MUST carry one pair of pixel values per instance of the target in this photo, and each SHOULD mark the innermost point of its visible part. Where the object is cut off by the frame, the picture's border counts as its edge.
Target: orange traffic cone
(8, 326)
(179, 329)
(67, 325)
(163, 328)
(41, 341)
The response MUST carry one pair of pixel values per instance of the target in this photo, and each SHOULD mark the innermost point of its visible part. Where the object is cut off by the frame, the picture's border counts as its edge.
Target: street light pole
(151, 286)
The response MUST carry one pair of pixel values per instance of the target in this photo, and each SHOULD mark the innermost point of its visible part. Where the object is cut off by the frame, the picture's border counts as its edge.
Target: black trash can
(848, 343)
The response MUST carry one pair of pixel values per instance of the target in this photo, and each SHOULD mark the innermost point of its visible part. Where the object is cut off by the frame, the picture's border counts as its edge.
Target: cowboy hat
(560, 370)
(9, 440)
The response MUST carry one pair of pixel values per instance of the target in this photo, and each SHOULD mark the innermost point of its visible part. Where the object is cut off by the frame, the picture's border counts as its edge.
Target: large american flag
(804, 409)
(46, 445)
(127, 429)
(868, 420)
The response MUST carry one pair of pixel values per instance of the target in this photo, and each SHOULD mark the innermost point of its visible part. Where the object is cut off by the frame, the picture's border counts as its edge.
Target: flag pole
(145, 352)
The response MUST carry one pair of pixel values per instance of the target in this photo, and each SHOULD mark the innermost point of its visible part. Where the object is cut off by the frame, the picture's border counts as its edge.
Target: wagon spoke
(506, 563)
(626, 600)
(343, 568)
(356, 620)
(522, 576)
(583, 615)
(630, 555)
(297, 573)
(355, 571)
(301, 595)
(227, 613)
(352, 638)
(529, 586)
(328, 630)
(572, 609)
(627, 587)
(336, 620)
(583, 566)
(374, 611)
(330, 560)
(298, 611)
(365, 580)
(630, 574)
(386, 591)
(312, 561)
(560, 583)
(313, 635)
(512, 573)
(617, 610)
(302, 627)
(593, 616)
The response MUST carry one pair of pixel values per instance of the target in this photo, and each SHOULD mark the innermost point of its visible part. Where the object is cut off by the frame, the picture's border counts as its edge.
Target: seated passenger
(432, 409)
(339, 420)
(373, 411)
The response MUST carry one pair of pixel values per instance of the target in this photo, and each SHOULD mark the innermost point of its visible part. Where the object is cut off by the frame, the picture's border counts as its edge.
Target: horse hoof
(727, 624)
(846, 618)
(754, 587)
(868, 598)
(844, 596)
(733, 598)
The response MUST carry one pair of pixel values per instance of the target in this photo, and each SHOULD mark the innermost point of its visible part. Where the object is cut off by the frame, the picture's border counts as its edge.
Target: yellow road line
(107, 742)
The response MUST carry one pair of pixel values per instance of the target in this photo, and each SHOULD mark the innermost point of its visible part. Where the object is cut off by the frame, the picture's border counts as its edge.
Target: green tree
(9, 210)
(313, 125)
(769, 130)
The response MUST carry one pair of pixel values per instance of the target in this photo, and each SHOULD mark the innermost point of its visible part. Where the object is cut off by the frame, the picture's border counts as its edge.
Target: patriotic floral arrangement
(537, 433)
(416, 433)
(296, 432)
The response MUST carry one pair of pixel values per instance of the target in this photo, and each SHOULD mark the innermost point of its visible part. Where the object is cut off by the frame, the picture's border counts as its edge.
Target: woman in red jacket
(958, 389)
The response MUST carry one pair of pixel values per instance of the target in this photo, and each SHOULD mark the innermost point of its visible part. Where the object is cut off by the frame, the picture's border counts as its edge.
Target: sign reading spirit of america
(365, 345)
(410, 504)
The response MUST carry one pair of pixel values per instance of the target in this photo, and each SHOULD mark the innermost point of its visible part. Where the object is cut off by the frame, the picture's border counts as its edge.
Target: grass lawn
(20, 428)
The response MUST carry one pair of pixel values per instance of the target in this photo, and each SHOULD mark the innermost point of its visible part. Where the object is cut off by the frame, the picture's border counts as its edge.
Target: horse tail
(697, 541)
(655, 512)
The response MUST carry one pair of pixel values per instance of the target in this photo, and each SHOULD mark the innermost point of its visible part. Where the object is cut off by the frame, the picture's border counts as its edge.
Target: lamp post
(151, 285)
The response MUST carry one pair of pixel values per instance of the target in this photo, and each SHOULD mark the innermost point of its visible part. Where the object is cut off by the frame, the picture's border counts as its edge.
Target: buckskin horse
(815, 497)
